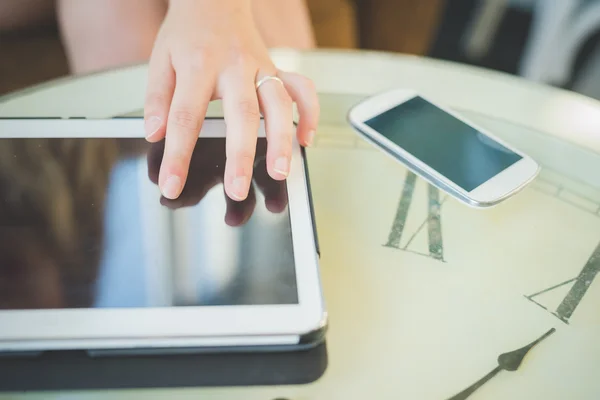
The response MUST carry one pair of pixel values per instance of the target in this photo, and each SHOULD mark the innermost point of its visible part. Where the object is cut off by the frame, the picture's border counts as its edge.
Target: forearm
(281, 23)
(100, 34)
(284, 23)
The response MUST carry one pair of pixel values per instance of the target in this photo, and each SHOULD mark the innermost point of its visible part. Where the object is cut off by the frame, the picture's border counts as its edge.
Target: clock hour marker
(510, 361)
(402, 211)
(433, 221)
(575, 295)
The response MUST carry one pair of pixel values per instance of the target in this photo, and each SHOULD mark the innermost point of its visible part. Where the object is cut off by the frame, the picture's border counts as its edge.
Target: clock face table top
(431, 299)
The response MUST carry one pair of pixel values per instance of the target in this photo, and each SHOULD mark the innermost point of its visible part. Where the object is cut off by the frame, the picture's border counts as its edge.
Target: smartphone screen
(446, 144)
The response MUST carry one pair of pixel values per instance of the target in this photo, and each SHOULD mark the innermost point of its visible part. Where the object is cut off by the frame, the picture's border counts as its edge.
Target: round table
(424, 293)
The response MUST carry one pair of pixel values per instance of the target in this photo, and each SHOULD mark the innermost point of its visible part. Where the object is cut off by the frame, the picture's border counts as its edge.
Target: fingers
(242, 115)
(193, 193)
(154, 158)
(239, 212)
(274, 191)
(302, 90)
(160, 87)
(176, 104)
(205, 172)
(276, 106)
(186, 115)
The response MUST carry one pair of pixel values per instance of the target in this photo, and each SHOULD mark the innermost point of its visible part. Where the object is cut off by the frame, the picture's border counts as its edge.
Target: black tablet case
(77, 370)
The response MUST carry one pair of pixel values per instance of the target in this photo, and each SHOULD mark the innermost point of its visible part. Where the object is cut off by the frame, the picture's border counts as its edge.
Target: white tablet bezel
(22, 330)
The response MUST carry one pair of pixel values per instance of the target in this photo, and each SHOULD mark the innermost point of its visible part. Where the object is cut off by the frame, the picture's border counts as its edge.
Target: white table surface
(547, 109)
(404, 324)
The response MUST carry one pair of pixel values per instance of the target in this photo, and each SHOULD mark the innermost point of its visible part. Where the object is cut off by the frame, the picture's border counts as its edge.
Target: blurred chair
(479, 35)
(549, 50)
(334, 22)
(487, 17)
(559, 30)
(404, 26)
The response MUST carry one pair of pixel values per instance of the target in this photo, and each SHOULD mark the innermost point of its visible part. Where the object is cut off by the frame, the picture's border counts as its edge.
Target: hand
(206, 171)
(209, 50)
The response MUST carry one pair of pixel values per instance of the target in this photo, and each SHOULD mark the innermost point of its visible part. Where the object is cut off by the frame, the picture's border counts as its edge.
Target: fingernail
(310, 137)
(282, 166)
(240, 187)
(152, 125)
(172, 187)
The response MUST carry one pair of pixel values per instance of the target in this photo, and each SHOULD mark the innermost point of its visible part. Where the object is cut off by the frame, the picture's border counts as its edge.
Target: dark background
(431, 28)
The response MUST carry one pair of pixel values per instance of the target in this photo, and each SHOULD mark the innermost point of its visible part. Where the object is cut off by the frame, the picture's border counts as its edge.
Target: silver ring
(268, 78)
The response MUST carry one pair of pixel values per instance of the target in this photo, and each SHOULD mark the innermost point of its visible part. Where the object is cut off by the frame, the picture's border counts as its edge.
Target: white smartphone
(442, 147)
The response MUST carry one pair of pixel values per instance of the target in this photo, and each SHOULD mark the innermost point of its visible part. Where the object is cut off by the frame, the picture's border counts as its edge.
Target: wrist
(209, 5)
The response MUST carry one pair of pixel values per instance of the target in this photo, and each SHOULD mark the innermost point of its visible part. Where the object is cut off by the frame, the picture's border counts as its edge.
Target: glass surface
(446, 144)
(573, 165)
(398, 298)
(83, 224)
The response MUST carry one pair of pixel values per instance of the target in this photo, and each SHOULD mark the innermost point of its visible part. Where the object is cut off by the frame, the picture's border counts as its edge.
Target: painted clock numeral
(580, 286)
(433, 220)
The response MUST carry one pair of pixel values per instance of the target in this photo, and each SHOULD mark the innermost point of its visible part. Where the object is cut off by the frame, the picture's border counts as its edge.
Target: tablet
(93, 257)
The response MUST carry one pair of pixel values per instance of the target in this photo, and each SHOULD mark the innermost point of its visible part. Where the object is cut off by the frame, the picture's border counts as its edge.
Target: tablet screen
(83, 225)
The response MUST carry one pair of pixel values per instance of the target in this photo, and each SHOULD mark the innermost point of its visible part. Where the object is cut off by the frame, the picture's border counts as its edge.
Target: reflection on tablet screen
(82, 224)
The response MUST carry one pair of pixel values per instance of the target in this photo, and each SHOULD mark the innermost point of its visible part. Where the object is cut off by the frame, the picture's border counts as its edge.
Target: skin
(198, 51)
(284, 23)
(206, 171)
(103, 34)
(203, 50)
(210, 50)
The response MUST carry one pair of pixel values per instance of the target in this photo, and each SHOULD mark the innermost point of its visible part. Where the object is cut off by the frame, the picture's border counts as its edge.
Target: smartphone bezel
(496, 189)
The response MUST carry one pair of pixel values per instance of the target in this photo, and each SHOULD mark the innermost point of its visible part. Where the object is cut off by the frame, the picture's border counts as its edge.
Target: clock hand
(510, 361)
(471, 389)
